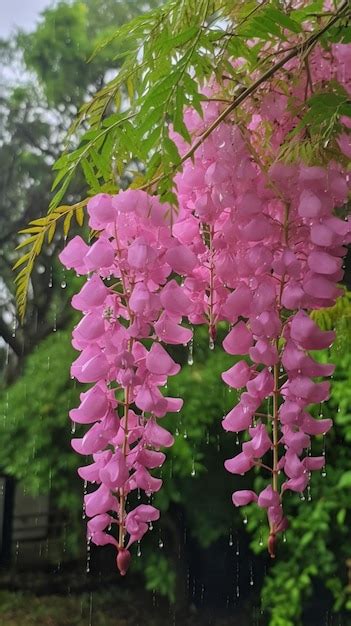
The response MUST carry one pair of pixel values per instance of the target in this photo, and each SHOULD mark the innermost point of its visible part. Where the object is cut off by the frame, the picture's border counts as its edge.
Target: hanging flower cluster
(274, 250)
(255, 244)
(125, 402)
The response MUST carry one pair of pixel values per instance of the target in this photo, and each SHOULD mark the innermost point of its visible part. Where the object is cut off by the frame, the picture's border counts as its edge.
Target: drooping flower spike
(125, 403)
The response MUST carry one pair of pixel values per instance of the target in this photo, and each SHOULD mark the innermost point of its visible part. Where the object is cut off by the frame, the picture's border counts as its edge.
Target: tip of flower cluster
(123, 561)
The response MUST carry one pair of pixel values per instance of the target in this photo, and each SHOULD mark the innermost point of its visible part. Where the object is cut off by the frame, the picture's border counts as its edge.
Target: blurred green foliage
(34, 447)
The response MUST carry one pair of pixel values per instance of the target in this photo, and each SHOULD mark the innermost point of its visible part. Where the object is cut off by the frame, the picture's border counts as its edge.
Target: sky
(20, 14)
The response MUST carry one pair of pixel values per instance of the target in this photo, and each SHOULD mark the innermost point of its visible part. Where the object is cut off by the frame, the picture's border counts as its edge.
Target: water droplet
(87, 569)
(237, 551)
(245, 520)
(251, 575)
(231, 542)
(138, 494)
(185, 435)
(73, 428)
(211, 343)
(63, 284)
(138, 549)
(193, 470)
(160, 543)
(191, 352)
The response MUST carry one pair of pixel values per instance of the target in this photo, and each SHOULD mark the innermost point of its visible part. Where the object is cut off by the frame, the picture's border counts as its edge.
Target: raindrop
(151, 526)
(245, 520)
(185, 435)
(160, 543)
(63, 284)
(237, 440)
(324, 472)
(17, 551)
(138, 549)
(73, 428)
(177, 432)
(54, 328)
(87, 568)
(231, 542)
(193, 470)
(284, 538)
(139, 494)
(251, 576)
(191, 352)
(50, 278)
(84, 494)
(211, 343)
(309, 495)
(14, 327)
(208, 437)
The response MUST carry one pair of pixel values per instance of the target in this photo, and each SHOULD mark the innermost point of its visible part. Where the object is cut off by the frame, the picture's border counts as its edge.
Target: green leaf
(89, 175)
(281, 18)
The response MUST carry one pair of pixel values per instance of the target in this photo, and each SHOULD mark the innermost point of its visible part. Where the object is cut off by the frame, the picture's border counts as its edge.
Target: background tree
(47, 77)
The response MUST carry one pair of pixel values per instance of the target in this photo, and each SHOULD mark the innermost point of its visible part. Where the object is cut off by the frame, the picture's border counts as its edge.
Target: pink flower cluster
(269, 249)
(125, 403)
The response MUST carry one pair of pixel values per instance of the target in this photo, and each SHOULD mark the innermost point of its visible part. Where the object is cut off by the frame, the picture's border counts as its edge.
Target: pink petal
(238, 303)
(155, 435)
(308, 335)
(181, 259)
(101, 254)
(170, 332)
(100, 501)
(238, 419)
(239, 464)
(158, 361)
(323, 263)
(174, 300)
(310, 205)
(238, 340)
(243, 497)
(314, 463)
(313, 426)
(92, 294)
(238, 375)
(268, 498)
(72, 256)
(101, 211)
(115, 473)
